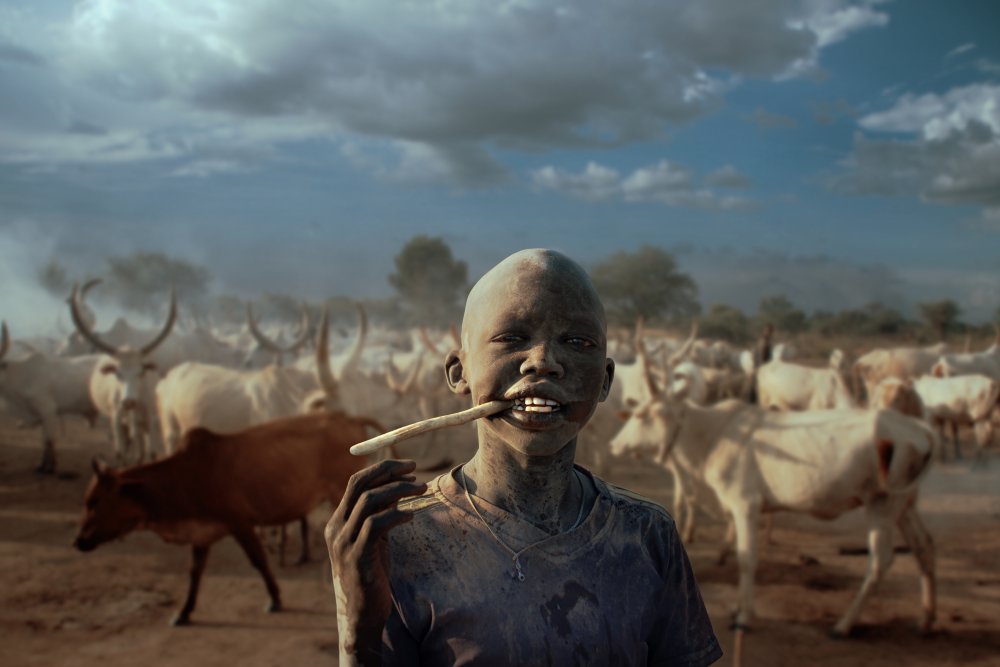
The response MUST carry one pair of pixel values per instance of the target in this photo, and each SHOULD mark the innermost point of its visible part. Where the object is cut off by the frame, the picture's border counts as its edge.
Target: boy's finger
(377, 500)
(373, 475)
(380, 523)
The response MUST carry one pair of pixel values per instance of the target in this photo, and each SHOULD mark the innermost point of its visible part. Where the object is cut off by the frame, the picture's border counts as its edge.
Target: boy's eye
(580, 341)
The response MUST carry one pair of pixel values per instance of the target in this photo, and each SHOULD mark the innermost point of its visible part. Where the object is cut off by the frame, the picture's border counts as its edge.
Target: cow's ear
(101, 469)
(108, 369)
(149, 366)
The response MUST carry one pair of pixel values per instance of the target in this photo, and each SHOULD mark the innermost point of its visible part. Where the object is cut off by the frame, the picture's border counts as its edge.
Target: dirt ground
(112, 606)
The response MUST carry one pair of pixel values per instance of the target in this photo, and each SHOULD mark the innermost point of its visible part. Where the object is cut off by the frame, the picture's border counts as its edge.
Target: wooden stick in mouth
(426, 425)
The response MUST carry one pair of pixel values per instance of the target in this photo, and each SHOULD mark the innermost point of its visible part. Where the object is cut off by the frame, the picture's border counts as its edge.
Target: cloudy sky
(834, 151)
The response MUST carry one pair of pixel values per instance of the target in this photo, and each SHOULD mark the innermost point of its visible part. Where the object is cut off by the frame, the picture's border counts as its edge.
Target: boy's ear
(609, 376)
(455, 373)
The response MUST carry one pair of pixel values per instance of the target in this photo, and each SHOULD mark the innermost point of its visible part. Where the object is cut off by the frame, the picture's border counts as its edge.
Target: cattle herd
(215, 433)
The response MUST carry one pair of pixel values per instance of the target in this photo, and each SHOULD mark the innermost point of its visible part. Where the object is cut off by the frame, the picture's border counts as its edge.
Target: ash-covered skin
(534, 328)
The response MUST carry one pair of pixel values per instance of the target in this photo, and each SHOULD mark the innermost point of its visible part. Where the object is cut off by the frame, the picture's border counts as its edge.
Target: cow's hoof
(273, 606)
(180, 620)
(45, 470)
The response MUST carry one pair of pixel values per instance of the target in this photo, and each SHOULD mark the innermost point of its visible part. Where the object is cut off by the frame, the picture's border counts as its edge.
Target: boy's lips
(537, 407)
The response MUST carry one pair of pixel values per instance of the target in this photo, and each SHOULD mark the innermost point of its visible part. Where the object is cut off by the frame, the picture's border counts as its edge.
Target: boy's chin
(537, 439)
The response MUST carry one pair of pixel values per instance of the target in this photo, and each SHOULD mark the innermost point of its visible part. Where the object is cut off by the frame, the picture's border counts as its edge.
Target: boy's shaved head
(535, 268)
(534, 328)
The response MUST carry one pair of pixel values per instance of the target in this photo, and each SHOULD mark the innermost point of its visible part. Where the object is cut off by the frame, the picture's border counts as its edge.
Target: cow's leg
(50, 432)
(922, 545)
(939, 423)
(746, 517)
(729, 542)
(119, 436)
(955, 441)
(879, 559)
(984, 438)
(247, 539)
(199, 556)
(154, 437)
(683, 510)
(304, 533)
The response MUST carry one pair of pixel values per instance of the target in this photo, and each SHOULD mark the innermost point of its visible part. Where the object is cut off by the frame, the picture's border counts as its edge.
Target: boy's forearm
(360, 643)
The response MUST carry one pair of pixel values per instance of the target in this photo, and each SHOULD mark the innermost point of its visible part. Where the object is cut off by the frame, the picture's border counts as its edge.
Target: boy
(518, 557)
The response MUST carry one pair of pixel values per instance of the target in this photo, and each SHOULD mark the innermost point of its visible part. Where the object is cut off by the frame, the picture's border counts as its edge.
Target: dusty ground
(112, 606)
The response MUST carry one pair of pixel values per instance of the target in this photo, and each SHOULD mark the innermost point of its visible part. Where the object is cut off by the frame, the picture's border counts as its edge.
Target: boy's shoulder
(627, 499)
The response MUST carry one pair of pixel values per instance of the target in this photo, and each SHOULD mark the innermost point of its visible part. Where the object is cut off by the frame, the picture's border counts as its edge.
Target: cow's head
(652, 429)
(136, 375)
(111, 508)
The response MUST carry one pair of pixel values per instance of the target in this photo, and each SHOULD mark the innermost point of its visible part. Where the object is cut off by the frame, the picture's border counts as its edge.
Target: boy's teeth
(535, 404)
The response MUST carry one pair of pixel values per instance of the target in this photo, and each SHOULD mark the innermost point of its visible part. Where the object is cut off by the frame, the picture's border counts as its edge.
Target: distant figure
(761, 355)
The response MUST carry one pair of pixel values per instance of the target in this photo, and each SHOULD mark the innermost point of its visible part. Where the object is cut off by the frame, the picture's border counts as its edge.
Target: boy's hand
(355, 537)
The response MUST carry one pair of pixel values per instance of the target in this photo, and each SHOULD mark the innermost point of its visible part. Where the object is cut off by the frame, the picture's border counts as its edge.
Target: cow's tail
(902, 463)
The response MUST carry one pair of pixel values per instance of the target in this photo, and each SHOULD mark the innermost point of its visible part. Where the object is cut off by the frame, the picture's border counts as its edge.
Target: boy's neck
(539, 490)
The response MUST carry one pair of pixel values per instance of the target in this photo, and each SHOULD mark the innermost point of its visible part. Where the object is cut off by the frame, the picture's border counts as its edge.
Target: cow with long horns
(123, 384)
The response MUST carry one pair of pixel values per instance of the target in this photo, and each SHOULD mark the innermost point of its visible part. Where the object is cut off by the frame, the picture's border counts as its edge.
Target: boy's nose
(540, 361)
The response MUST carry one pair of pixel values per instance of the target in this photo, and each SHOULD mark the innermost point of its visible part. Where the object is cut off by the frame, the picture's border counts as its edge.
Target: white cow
(122, 386)
(635, 387)
(787, 386)
(38, 388)
(822, 463)
(986, 362)
(905, 363)
(964, 400)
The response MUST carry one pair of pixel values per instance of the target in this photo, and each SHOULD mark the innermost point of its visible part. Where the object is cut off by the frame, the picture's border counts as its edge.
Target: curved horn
(324, 374)
(647, 372)
(4, 339)
(303, 337)
(391, 373)
(414, 372)
(271, 345)
(83, 327)
(686, 347)
(259, 336)
(167, 328)
(426, 339)
(351, 365)
(87, 286)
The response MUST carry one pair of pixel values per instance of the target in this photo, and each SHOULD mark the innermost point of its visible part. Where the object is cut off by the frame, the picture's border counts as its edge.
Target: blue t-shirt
(616, 590)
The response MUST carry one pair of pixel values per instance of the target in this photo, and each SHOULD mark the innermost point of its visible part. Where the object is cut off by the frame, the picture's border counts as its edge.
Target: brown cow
(216, 485)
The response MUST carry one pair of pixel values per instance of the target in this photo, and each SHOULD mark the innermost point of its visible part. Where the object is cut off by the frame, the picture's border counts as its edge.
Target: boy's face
(535, 333)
